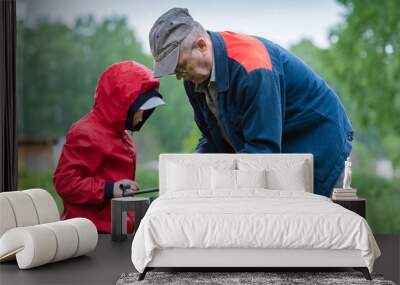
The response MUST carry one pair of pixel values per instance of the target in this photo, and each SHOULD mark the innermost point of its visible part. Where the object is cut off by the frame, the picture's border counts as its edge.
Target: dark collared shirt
(209, 89)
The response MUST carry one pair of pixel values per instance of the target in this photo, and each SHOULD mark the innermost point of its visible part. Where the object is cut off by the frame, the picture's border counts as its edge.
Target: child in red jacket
(99, 155)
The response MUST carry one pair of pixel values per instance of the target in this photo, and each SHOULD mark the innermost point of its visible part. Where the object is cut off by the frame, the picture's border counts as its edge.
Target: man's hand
(117, 191)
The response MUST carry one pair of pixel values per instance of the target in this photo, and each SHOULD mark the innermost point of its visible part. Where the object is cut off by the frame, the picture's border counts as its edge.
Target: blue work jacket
(269, 101)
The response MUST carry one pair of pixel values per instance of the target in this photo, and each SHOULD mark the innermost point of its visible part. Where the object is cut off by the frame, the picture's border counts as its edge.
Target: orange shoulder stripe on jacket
(247, 50)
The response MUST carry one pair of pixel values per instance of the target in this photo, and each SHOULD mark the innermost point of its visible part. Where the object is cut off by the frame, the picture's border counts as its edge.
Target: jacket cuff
(108, 190)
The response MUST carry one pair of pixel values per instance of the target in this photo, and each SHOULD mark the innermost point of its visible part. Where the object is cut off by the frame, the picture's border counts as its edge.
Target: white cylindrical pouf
(23, 208)
(45, 205)
(33, 246)
(7, 218)
(87, 234)
(67, 239)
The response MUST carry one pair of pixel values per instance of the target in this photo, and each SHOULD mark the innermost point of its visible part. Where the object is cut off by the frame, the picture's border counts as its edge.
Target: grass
(34, 179)
(147, 179)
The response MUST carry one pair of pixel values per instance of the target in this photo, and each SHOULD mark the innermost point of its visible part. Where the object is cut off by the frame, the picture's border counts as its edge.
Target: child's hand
(124, 184)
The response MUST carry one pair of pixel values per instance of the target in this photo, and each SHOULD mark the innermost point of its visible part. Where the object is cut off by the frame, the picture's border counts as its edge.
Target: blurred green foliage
(191, 141)
(364, 57)
(362, 64)
(147, 179)
(58, 67)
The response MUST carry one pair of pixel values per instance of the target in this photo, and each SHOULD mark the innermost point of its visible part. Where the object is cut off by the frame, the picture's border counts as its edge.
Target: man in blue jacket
(250, 95)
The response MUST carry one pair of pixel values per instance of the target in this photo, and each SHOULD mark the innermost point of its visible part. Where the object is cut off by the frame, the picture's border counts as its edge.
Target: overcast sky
(285, 21)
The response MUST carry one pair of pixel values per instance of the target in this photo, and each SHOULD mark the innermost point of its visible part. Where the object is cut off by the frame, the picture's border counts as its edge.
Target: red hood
(118, 87)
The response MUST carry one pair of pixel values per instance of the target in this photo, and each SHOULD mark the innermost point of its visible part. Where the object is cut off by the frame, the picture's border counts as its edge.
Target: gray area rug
(231, 278)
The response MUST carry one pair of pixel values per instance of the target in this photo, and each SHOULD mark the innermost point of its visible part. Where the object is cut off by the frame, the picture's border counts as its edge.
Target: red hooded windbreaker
(98, 151)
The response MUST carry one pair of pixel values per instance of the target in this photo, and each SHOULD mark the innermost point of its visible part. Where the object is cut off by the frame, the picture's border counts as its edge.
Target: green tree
(49, 71)
(365, 58)
(362, 65)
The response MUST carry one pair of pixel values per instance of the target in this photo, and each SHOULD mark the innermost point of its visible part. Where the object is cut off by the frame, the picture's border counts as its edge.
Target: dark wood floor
(110, 260)
(389, 262)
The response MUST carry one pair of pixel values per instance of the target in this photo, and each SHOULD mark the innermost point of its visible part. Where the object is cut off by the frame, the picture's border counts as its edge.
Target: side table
(119, 207)
(357, 205)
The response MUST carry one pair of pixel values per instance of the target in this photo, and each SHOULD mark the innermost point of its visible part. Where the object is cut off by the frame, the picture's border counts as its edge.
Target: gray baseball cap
(170, 29)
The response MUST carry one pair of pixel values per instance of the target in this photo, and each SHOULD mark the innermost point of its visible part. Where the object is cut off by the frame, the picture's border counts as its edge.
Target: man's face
(194, 65)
